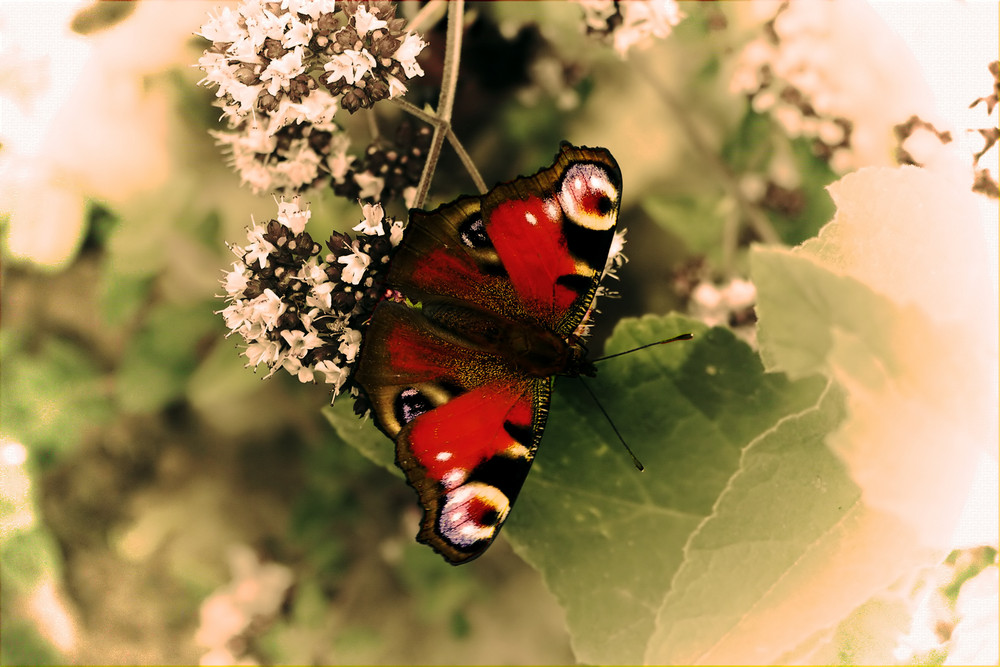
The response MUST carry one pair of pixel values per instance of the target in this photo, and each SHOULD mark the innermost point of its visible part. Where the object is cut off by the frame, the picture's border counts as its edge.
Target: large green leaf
(893, 300)
(608, 539)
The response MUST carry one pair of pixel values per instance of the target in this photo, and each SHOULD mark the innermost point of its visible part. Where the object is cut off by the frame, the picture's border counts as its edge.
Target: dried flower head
(302, 307)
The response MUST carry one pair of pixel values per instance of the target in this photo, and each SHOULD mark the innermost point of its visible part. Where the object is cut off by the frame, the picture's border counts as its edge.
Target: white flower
(370, 184)
(267, 308)
(291, 215)
(300, 342)
(310, 8)
(235, 316)
(332, 373)
(396, 87)
(281, 71)
(643, 19)
(354, 265)
(350, 65)
(236, 280)
(396, 231)
(300, 166)
(407, 53)
(365, 22)
(295, 367)
(372, 224)
(223, 28)
(259, 247)
(298, 35)
(320, 295)
(350, 344)
(318, 108)
(263, 351)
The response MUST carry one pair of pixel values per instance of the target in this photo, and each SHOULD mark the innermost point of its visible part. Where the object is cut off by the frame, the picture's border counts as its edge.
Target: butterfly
(489, 295)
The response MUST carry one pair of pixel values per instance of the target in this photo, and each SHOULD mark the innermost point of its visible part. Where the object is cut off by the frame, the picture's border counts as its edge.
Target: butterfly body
(459, 372)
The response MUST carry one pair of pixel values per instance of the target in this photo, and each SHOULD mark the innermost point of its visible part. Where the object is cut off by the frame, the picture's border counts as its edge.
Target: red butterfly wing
(465, 442)
(552, 232)
(462, 382)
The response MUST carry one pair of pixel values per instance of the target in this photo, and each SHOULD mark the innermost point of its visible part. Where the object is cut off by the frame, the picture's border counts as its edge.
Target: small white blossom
(298, 35)
(236, 280)
(407, 54)
(291, 215)
(372, 224)
(235, 316)
(354, 265)
(333, 374)
(263, 351)
(364, 22)
(300, 342)
(396, 232)
(350, 65)
(282, 70)
(267, 308)
(370, 184)
(259, 247)
(396, 87)
(350, 344)
(320, 296)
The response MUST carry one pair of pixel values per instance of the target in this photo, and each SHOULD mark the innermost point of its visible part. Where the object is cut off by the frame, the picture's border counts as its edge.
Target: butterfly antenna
(635, 459)
(686, 336)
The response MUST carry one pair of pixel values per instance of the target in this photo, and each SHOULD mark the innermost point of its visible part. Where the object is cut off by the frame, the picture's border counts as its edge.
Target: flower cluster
(301, 309)
(388, 170)
(728, 305)
(284, 69)
(234, 612)
(631, 23)
(785, 78)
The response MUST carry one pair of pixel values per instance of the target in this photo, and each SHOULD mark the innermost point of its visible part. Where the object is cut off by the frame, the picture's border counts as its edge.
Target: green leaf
(362, 434)
(608, 539)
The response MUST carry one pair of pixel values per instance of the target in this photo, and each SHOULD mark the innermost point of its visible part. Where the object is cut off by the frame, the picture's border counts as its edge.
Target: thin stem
(467, 162)
(446, 101)
(373, 130)
(428, 14)
(463, 155)
(753, 215)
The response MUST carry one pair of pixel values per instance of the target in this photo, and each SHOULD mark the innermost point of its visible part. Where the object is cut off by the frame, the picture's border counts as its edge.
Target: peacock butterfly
(488, 298)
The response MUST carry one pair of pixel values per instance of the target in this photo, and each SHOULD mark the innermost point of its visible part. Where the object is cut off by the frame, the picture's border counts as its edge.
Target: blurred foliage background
(162, 504)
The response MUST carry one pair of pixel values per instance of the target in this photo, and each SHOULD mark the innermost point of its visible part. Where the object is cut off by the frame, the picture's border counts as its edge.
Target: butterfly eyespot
(588, 196)
(471, 513)
(473, 233)
(410, 404)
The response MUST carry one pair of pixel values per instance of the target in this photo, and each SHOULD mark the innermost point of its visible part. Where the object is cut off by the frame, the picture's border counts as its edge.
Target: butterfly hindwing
(460, 375)
(465, 443)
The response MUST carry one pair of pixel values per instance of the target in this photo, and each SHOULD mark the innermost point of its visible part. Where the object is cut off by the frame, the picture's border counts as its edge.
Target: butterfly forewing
(461, 376)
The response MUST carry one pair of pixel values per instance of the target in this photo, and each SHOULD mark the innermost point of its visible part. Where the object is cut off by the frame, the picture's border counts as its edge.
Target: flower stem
(446, 100)
(463, 155)
(428, 14)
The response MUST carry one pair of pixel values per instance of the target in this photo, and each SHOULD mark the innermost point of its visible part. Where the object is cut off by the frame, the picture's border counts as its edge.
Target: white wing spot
(530, 217)
(443, 456)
